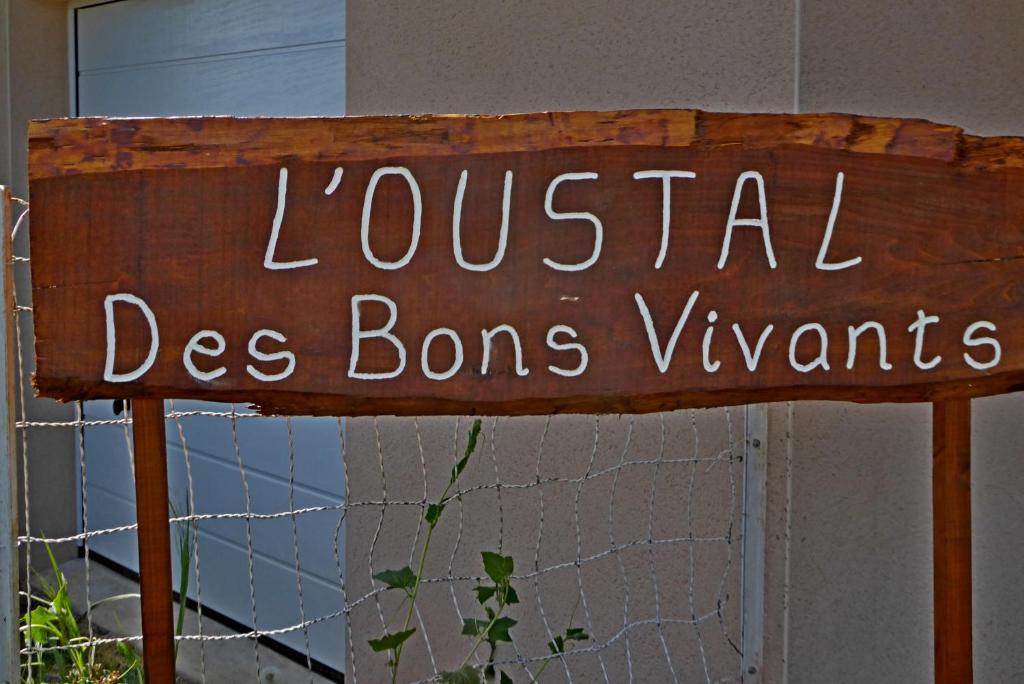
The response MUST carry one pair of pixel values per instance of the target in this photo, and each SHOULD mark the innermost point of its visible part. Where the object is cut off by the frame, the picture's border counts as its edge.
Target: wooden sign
(584, 262)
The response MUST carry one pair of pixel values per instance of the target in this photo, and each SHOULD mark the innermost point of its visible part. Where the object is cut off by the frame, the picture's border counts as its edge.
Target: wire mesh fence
(558, 548)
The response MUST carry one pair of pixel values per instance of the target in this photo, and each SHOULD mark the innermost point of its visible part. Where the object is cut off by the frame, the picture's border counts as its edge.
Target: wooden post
(951, 514)
(154, 540)
(10, 606)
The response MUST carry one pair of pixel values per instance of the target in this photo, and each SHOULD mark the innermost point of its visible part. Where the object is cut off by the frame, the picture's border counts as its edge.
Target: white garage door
(242, 57)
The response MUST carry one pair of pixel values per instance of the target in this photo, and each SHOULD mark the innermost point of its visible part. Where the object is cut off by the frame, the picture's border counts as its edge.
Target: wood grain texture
(95, 145)
(179, 212)
(151, 505)
(951, 520)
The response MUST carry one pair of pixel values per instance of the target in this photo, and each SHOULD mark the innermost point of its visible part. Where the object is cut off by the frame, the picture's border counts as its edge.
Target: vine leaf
(467, 674)
(474, 434)
(557, 645)
(404, 579)
(484, 593)
(510, 596)
(498, 567)
(434, 512)
(576, 634)
(499, 630)
(390, 642)
(474, 627)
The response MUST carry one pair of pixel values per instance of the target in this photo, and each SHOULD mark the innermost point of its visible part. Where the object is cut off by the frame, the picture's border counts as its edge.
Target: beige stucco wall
(859, 513)
(849, 560)
(495, 57)
(33, 57)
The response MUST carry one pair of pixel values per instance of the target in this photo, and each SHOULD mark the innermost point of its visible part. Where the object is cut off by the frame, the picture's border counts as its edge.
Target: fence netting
(558, 548)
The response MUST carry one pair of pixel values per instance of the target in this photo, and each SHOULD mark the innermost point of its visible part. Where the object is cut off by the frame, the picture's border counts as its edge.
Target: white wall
(33, 57)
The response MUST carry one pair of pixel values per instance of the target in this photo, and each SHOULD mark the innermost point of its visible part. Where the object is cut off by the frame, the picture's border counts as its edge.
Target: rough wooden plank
(951, 520)
(179, 212)
(154, 540)
(95, 145)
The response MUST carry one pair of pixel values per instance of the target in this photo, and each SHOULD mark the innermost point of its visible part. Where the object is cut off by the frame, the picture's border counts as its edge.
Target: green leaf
(474, 627)
(390, 642)
(497, 567)
(576, 634)
(39, 616)
(404, 579)
(499, 630)
(434, 512)
(474, 434)
(504, 679)
(510, 595)
(44, 625)
(484, 593)
(571, 634)
(466, 675)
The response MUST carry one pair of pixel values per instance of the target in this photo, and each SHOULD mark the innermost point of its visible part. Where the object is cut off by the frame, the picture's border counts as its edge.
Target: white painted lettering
(709, 365)
(820, 360)
(425, 353)
(565, 216)
(335, 181)
(663, 358)
(488, 335)
(196, 346)
(819, 263)
(918, 328)
(358, 335)
(273, 356)
(417, 216)
(752, 359)
(760, 222)
(971, 341)
(506, 200)
(567, 346)
(855, 332)
(154, 338)
(666, 203)
(275, 231)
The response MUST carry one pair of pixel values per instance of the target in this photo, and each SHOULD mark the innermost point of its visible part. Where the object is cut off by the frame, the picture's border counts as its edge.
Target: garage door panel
(108, 460)
(287, 82)
(263, 446)
(277, 602)
(145, 31)
(317, 449)
(106, 511)
(232, 57)
(109, 497)
(217, 491)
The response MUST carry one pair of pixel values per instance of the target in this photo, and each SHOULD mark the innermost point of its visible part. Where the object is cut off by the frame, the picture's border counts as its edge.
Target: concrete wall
(33, 57)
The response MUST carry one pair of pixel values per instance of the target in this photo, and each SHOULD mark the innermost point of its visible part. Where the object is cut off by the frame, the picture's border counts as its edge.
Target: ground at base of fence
(225, 661)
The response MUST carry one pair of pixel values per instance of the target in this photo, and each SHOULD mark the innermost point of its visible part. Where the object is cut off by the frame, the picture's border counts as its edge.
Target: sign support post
(951, 521)
(154, 540)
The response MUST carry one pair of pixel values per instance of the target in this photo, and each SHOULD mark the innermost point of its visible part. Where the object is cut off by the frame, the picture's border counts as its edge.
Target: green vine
(495, 598)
